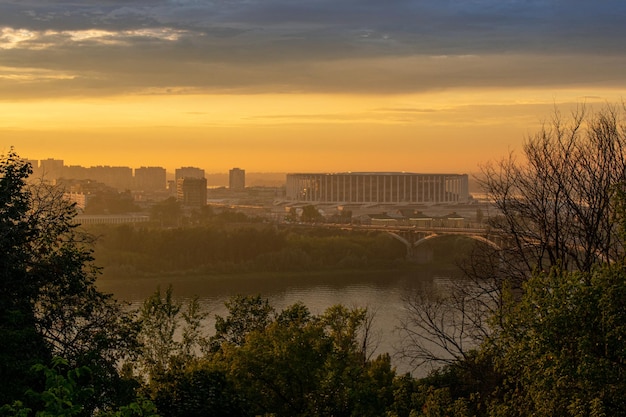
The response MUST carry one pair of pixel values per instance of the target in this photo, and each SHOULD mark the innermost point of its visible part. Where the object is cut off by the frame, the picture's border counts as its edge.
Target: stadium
(377, 188)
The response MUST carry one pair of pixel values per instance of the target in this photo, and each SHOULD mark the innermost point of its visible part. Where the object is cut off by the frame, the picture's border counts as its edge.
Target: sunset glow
(275, 86)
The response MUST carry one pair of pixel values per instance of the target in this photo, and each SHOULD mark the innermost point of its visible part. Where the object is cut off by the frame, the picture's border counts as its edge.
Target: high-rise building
(34, 164)
(77, 172)
(237, 179)
(51, 169)
(120, 178)
(150, 179)
(189, 172)
(191, 191)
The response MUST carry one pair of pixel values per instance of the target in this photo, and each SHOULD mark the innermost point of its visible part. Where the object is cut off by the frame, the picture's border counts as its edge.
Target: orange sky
(274, 87)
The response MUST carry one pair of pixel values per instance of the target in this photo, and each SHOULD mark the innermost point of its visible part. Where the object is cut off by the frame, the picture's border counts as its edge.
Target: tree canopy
(49, 304)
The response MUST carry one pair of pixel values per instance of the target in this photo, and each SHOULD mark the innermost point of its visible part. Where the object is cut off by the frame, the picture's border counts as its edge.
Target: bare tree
(440, 325)
(555, 207)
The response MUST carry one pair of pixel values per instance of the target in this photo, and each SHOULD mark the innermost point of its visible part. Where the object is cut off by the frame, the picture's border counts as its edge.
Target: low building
(378, 188)
(88, 219)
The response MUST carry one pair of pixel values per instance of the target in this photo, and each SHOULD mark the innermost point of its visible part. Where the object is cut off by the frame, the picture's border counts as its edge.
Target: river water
(382, 293)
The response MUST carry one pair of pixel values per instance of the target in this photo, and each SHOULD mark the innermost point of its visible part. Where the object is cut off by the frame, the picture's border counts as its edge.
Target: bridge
(412, 237)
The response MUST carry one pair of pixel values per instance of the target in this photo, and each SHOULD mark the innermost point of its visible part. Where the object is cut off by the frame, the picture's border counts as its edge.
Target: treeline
(560, 353)
(246, 248)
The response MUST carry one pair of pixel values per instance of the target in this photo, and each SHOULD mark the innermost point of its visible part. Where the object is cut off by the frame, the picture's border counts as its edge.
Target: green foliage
(296, 363)
(562, 346)
(159, 321)
(161, 349)
(22, 345)
(310, 214)
(216, 248)
(167, 213)
(67, 392)
(49, 305)
(197, 391)
(65, 395)
(245, 314)
(140, 408)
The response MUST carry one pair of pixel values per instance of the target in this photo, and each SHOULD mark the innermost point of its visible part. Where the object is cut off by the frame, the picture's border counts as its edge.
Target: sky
(299, 85)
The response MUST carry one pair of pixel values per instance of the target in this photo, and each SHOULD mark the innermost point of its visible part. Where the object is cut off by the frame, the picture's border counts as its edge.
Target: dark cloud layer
(125, 46)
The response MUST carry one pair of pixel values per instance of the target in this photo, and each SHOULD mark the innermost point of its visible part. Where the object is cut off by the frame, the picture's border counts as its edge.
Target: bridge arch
(412, 245)
(409, 245)
(474, 237)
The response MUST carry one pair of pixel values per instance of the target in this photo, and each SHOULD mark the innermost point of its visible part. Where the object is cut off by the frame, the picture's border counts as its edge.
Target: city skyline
(309, 86)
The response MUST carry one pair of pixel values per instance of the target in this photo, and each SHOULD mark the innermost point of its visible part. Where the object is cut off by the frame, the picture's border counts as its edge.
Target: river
(381, 292)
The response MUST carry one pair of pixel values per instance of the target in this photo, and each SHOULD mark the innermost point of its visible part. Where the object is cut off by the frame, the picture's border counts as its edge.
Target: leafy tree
(162, 348)
(21, 346)
(310, 214)
(178, 379)
(277, 368)
(555, 207)
(561, 347)
(296, 363)
(66, 392)
(245, 314)
(292, 216)
(167, 213)
(159, 322)
(197, 390)
(49, 305)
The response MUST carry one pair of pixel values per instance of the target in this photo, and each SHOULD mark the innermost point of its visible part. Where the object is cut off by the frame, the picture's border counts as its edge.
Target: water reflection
(381, 292)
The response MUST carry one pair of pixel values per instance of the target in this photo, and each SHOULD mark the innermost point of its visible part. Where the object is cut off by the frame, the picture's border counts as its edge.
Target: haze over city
(279, 86)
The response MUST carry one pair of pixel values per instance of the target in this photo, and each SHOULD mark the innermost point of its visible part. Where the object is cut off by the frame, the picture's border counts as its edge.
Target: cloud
(363, 46)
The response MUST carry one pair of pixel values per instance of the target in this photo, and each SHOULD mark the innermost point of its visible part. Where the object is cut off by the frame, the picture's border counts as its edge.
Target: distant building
(120, 178)
(189, 172)
(237, 179)
(378, 188)
(77, 172)
(191, 191)
(34, 163)
(50, 169)
(86, 219)
(80, 199)
(150, 179)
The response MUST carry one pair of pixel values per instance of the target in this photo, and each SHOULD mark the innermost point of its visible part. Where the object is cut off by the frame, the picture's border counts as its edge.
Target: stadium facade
(377, 188)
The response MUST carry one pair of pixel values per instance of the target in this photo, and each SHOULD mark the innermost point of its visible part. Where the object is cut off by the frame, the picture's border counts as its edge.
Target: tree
(298, 363)
(166, 343)
(245, 314)
(561, 347)
(555, 207)
(21, 345)
(49, 304)
(198, 390)
(67, 391)
(167, 213)
(159, 322)
(310, 214)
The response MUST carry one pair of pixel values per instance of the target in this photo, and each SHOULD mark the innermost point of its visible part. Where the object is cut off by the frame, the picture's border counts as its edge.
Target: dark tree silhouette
(554, 208)
(49, 304)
